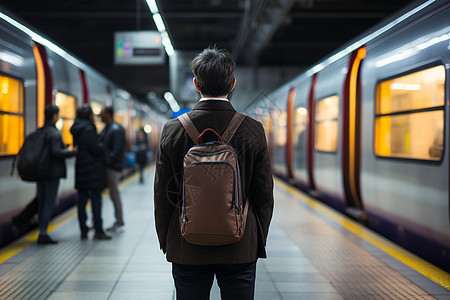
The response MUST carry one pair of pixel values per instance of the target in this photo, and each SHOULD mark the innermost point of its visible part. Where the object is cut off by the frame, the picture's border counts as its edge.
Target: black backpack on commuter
(33, 161)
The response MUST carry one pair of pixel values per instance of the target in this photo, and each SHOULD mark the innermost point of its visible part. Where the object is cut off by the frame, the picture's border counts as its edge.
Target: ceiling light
(152, 5)
(43, 41)
(167, 43)
(172, 102)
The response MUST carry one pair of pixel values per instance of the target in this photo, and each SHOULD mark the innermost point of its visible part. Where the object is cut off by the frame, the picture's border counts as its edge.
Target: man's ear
(196, 84)
(232, 84)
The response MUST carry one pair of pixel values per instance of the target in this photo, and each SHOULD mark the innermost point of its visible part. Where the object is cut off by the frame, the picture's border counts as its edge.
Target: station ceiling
(257, 32)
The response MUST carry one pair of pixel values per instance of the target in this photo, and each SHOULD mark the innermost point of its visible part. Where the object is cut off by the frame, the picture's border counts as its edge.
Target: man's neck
(207, 96)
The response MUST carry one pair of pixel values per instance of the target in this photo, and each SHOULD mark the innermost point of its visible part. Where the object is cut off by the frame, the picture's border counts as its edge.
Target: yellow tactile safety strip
(30, 238)
(428, 270)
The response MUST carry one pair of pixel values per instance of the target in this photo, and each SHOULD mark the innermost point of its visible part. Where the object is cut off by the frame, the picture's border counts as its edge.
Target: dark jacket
(250, 144)
(90, 166)
(113, 138)
(58, 152)
(141, 149)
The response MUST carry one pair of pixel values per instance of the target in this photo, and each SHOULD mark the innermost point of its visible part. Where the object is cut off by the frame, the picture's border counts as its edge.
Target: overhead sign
(143, 47)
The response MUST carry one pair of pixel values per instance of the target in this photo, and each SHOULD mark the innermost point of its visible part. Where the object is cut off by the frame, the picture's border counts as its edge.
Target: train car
(35, 72)
(366, 129)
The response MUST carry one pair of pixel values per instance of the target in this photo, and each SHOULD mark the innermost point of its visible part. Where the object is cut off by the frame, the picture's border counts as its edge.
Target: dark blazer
(90, 172)
(114, 140)
(250, 144)
(58, 151)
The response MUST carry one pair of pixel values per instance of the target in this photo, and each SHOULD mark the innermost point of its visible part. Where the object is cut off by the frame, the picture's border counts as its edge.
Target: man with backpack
(195, 182)
(48, 187)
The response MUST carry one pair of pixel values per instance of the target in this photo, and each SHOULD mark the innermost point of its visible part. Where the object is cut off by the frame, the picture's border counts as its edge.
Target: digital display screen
(142, 47)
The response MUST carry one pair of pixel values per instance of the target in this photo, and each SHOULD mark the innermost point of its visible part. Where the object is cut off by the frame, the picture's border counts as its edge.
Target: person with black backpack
(48, 187)
(213, 190)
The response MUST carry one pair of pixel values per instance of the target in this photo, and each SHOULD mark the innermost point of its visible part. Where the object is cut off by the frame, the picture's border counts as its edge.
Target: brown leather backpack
(212, 212)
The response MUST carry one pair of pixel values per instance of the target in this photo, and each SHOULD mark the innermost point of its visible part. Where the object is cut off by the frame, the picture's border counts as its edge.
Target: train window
(97, 109)
(409, 121)
(418, 90)
(327, 112)
(11, 115)
(121, 117)
(67, 111)
(267, 124)
(280, 122)
(301, 119)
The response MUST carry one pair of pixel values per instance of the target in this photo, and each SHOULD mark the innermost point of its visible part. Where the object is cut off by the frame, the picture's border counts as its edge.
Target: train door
(278, 114)
(327, 125)
(299, 135)
(67, 91)
(290, 133)
(351, 136)
(44, 82)
(310, 138)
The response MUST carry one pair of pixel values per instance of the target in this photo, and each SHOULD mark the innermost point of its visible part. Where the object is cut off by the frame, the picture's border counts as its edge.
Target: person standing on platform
(141, 152)
(48, 188)
(90, 172)
(114, 141)
(234, 265)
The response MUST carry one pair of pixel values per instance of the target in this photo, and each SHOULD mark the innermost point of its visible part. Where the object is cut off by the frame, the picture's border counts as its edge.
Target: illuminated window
(121, 117)
(97, 109)
(11, 115)
(301, 119)
(280, 124)
(137, 124)
(67, 111)
(327, 112)
(267, 124)
(409, 121)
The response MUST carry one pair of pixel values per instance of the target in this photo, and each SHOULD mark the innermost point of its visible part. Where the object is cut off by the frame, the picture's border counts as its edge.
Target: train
(365, 130)
(35, 72)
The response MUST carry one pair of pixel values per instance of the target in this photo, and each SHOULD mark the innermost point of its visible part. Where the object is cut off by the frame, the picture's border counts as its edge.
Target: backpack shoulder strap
(190, 128)
(232, 127)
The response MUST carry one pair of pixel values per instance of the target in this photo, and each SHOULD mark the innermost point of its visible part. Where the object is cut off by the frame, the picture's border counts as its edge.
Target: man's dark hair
(214, 69)
(84, 112)
(109, 110)
(50, 111)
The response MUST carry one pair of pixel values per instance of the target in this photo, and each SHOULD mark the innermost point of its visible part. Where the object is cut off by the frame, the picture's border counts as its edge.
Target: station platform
(313, 253)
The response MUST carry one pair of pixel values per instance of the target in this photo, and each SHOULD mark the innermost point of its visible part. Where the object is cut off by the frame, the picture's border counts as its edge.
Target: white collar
(220, 99)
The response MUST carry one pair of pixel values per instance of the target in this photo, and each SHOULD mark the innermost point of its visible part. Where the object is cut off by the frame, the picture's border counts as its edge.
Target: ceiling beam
(338, 15)
(78, 14)
(259, 24)
(203, 15)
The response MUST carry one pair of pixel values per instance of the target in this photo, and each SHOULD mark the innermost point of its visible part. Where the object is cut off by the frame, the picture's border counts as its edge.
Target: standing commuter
(141, 152)
(194, 266)
(114, 141)
(90, 171)
(48, 188)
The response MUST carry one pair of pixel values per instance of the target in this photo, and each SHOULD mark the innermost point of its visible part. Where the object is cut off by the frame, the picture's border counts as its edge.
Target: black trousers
(236, 281)
(96, 202)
